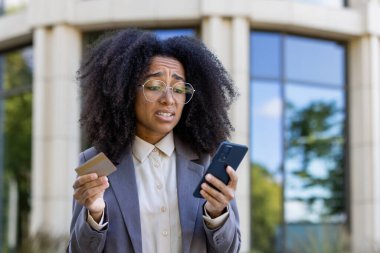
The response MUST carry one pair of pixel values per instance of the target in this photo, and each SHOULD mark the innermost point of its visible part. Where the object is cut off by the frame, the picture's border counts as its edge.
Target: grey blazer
(123, 232)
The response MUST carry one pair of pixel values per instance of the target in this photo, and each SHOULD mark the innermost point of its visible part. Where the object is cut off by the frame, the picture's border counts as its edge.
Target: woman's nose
(167, 95)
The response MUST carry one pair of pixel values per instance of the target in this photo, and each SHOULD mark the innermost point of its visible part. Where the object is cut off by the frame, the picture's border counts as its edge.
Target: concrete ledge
(307, 18)
(372, 18)
(292, 16)
(14, 30)
(279, 15)
(95, 14)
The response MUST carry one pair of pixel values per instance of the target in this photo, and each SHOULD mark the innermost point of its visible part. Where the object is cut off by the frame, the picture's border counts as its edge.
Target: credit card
(99, 164)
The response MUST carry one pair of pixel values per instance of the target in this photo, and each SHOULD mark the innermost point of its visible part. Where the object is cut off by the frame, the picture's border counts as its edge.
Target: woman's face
(156, 119)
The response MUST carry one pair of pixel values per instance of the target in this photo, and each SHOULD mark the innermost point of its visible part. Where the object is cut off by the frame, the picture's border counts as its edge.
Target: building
(308, 72)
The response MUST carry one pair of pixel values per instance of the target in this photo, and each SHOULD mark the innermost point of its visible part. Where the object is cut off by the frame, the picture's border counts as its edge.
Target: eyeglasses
(154, 89)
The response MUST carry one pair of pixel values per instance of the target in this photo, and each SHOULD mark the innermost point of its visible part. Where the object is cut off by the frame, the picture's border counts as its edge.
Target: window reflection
(298, 139)
(167, 33)
(12, 6)
(265, 59)
(266, 114)
(15, 135)
(91, 37)
(266, 176)
(325, 65)
(314, 153)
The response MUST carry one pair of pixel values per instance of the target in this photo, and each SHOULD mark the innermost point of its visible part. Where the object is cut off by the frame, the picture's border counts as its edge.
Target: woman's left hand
(217, 201)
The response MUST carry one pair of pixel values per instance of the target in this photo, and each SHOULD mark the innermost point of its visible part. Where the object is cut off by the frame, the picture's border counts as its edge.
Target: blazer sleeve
(83, 238)
(227, 237)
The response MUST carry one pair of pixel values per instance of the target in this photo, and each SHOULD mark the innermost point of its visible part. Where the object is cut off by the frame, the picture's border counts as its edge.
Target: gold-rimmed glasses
(154, 89)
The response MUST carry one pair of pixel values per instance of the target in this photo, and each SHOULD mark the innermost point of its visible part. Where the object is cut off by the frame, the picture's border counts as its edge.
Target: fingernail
(208, 176)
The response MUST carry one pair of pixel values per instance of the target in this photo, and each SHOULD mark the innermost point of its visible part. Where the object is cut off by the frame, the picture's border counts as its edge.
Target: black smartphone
(228, 153)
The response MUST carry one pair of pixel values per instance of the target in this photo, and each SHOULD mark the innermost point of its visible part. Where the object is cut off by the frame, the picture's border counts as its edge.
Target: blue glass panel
(314, 60)
(265, 54)
(266, 176)
(314, 167)
(266, 111)
(167, 33)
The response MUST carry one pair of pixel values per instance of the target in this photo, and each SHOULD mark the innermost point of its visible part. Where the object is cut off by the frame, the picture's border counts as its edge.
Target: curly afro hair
(109, 76)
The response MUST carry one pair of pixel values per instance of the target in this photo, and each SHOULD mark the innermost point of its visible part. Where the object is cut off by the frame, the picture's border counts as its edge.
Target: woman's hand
(217, 201)
(88, 191)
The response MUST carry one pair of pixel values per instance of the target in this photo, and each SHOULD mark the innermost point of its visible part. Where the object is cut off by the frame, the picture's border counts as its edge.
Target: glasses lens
(153, 89)
(183, 92)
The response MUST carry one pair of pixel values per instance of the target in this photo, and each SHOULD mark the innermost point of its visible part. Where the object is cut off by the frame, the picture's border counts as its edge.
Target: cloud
(272, 109)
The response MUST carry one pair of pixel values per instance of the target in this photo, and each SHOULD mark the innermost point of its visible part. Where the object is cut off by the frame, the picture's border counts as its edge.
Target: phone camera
(224, 154)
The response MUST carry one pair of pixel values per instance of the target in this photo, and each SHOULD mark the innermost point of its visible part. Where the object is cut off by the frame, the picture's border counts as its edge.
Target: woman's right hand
(88, 191)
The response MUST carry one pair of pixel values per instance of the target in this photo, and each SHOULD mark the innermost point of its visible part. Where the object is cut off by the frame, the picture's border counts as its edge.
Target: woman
(157, 109)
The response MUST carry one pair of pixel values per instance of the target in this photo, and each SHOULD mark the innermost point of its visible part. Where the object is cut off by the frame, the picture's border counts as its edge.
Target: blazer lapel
(188, 176)
(123, 183)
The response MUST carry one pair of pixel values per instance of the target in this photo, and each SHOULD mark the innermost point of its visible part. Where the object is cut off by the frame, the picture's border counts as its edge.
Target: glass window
(12, 6)
(314, 165)
(167, 33)
(91, 37)
(266, 59)
(298, 122)
(16, 72)
(266, 176)
(305, 61)
(266, 114)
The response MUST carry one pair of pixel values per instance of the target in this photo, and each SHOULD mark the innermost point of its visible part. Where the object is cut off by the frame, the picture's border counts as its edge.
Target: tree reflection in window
(16, 106)
(298, 197)
(315, 132)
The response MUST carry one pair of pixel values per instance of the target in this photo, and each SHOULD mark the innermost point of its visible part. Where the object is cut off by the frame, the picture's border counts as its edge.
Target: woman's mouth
(165, 115)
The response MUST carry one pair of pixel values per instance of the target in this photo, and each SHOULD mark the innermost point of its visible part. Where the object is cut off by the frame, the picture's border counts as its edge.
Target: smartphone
(228, 153)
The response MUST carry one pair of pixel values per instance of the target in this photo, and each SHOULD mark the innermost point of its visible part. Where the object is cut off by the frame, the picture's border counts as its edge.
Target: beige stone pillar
(216, 34)
(361, 3)
(364, 148)
(56, 137)
(41, 47)
(228, 38)
(240, 120)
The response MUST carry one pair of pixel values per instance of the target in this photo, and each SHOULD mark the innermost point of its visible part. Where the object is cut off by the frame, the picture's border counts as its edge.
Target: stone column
(56, 135)
(228, 38)
(240, 120)
(216, 34)
(364, 146)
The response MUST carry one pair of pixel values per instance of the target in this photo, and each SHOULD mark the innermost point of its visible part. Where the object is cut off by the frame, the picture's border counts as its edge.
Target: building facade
(308, 74)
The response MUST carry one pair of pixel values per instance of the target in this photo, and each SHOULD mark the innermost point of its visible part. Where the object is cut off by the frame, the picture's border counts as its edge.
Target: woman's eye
(154, 88)
(179, 90)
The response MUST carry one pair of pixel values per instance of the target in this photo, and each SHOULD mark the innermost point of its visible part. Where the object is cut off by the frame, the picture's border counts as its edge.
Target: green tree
(317, 132)
(17, 102)
(265, 209)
